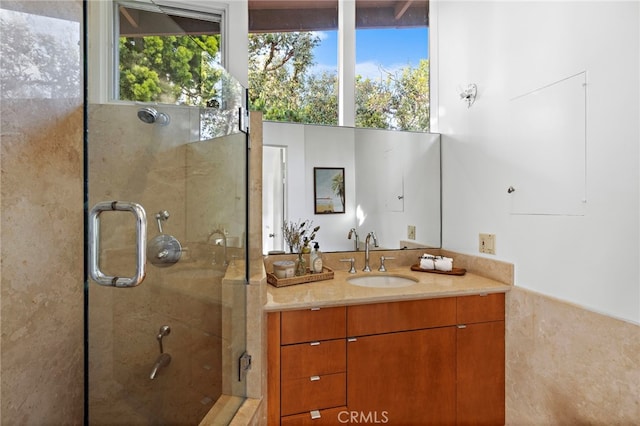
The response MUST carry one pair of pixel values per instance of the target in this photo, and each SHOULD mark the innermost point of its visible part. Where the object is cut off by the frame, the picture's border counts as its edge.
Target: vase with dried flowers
(298, 236)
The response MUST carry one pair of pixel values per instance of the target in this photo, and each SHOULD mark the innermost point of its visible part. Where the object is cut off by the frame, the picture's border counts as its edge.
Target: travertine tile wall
(256, 291)
(41, 133)
(567, 365)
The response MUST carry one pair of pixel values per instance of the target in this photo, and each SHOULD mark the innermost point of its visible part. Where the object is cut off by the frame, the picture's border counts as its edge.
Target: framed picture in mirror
(328, 190)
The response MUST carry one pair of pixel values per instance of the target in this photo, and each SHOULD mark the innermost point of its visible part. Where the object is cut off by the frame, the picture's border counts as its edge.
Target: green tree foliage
(279, 67)
(400, 101)
(411, 97)
(170, 69)
(373, 103)
(283, 86)
(320, 103)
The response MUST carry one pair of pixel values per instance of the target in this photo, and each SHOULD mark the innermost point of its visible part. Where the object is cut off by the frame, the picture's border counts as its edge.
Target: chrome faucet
(224, 242)
(163, 360)
(352, 232)
(370, 235)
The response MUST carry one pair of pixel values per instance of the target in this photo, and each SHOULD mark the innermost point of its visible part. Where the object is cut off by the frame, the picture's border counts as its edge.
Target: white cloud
(376, 71)
(322, 34)
(371, 70)
(318, 69)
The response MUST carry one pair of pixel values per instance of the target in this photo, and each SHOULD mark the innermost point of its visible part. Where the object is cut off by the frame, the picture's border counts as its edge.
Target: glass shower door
(165, 350)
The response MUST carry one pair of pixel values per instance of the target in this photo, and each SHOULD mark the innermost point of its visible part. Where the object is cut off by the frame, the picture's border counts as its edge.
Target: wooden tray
(453, 271)
(326, 274)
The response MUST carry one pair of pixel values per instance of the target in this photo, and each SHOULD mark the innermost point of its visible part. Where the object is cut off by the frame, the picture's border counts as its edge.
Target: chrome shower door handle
(94, 243)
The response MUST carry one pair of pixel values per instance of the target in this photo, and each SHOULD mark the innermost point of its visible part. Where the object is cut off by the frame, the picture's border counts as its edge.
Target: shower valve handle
(164, 331)
(161, 216)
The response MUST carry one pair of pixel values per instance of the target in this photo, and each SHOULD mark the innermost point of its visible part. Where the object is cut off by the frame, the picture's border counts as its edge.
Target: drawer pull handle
(462, 326)
(315, 309)
(314, 378)
(483, 294)
(315, 343)
(352, 339)
(315, 415)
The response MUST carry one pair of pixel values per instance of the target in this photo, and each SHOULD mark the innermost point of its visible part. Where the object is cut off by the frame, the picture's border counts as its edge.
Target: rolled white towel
(444, 264)
(427, 262)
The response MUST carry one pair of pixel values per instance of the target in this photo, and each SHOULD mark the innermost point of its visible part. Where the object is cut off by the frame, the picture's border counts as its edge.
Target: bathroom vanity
(429, 353)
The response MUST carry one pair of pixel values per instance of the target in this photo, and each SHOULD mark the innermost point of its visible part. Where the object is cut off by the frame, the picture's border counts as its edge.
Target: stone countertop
(338, 292)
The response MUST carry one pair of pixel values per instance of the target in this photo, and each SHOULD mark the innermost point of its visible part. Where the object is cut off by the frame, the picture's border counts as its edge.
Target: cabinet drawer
(400, 316)
(480, 308)
(313, 324)
(306, 394)
(313, 359)
(328, 417)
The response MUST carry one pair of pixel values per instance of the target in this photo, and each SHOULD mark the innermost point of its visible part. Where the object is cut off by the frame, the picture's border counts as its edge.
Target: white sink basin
(382, 281)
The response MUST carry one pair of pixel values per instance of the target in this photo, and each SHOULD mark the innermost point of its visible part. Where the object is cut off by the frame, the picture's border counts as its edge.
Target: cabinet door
(405, 377)
(481, 376)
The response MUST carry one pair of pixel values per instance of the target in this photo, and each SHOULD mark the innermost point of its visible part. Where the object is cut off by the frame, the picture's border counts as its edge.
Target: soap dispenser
(316, 259)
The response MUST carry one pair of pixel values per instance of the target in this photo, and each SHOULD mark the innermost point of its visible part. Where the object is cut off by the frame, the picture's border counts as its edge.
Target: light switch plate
(487, 243)
(411, 232)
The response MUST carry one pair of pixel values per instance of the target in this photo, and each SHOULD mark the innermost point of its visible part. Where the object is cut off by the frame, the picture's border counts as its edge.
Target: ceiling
(317, 15)
(281, 16)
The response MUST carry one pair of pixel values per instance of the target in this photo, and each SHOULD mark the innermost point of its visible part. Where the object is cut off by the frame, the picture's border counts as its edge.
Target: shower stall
(167, 205)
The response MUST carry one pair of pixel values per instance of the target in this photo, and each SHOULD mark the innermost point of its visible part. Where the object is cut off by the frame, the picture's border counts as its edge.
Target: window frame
(347, 20)
(103, 38)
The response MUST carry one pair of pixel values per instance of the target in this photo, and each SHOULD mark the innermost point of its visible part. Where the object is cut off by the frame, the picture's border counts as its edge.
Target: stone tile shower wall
(41, 130)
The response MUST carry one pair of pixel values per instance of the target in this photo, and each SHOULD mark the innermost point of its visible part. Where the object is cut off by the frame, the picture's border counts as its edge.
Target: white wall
(509, 48)
(392, 164)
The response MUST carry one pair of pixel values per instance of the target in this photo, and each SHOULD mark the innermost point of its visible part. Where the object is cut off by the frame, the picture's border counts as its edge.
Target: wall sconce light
(469, 94)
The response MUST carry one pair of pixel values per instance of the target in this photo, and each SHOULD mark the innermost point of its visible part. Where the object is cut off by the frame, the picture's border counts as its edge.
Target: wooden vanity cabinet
(432, 361)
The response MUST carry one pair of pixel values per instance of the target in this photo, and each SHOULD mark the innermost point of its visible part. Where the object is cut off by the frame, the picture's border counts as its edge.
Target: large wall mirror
(391, 185)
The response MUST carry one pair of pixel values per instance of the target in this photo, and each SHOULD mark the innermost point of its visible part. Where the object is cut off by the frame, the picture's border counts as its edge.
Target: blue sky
(391, 48)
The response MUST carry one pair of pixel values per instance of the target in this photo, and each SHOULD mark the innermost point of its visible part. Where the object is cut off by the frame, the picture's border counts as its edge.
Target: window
(293, 51)
(167, 55)
(391, 85)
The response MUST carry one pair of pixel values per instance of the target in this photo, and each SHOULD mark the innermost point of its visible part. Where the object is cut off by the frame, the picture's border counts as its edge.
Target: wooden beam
(401, 8)
(125, 12)
(284, 20)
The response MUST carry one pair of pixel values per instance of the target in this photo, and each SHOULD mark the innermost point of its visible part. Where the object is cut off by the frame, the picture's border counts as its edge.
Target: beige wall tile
(568, 365)
(41, 287)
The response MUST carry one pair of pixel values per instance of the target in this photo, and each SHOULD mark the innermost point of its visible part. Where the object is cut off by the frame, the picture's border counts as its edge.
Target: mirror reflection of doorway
(273, 197)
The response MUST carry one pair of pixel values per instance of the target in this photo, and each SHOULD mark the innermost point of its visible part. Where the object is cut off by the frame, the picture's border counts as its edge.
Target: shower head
(151, 115)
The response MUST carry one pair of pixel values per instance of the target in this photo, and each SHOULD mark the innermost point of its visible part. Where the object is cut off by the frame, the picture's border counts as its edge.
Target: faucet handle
(352, 270)
(382, 259)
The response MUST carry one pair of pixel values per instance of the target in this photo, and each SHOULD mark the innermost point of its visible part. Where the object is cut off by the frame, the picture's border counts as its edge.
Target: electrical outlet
(411, 232)
(487, 243)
